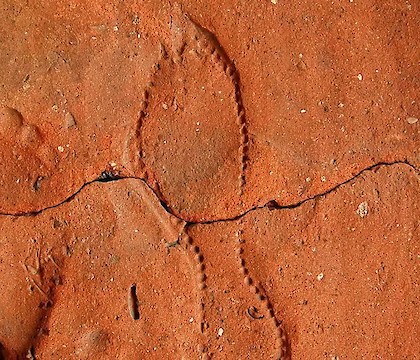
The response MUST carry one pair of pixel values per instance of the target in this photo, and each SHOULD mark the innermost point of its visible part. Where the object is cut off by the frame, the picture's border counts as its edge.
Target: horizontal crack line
(272, 204)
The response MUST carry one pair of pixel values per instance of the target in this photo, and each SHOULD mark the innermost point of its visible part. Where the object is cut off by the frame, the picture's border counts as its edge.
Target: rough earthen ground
(198, 180)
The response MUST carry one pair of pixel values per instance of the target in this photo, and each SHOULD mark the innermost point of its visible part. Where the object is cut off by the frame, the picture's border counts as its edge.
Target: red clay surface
(260, 180)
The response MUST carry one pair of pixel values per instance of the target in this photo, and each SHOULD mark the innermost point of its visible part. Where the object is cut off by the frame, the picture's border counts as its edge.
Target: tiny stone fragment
(136, 19)
(412, 120)
(320, 276)
(69, 120)
(363, 209)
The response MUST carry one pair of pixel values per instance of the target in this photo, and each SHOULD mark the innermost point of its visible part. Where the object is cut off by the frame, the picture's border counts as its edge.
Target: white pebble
(360, 77)
(220, 332)
(363, 209)
(412, 120)
(69, 120)
(320, 276)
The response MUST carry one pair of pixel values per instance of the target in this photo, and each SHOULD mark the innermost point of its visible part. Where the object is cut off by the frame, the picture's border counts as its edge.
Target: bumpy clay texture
(198, 180)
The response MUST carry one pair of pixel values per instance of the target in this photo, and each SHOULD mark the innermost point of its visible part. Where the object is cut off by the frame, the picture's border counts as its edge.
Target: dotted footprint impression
(194, 45)
(192, 127)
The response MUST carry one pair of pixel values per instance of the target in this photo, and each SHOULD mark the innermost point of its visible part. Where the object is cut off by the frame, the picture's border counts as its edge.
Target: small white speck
(412, 120)
(302, 111)
(191, 320)
(320, 276)
(323, 178)
(220, 332)
(274, 2)
(198, 123)
(308, 179)
(115, 28)
(363, 209)
(136, 19)
(165, 106)
(341, 105)
(60, 148)
(54, 107)
(360, 77)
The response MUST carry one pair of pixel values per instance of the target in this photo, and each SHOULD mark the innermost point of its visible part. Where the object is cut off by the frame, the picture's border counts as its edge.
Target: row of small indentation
(201, 280)
(144, 104)
(280, 333)
(198, 258)
(199, 267)
(243, 129)
(229, 69)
